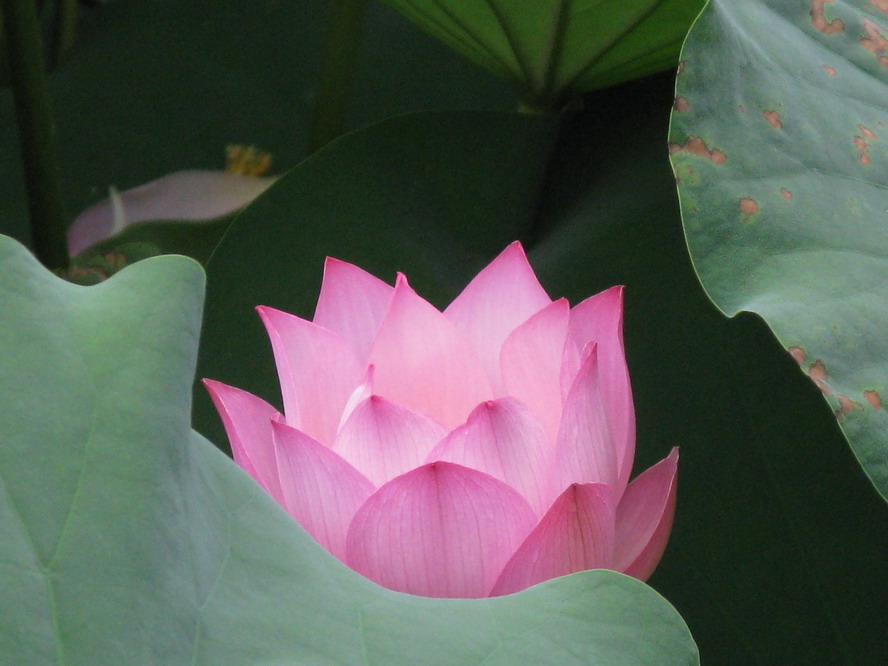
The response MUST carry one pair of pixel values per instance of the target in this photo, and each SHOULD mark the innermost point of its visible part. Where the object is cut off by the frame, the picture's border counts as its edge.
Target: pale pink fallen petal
(352, 303)
(531, 363)
(183, 195)
(422, 361)
(322, 492)
(317, 369)
(506, 440)
(577, 533)
(441, 530)
(644, 518)
(495, 302)
(384, 440)
(584, 449)
(599, 319)
(247, 420)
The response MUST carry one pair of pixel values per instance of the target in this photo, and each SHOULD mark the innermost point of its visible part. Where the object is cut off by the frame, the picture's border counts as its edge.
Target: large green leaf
(128, 538)
(149, 90)
(777, 555)
(779, 146)
(548, 49)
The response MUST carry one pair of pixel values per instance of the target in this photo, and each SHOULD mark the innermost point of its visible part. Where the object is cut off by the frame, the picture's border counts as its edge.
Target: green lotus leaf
(780, 146)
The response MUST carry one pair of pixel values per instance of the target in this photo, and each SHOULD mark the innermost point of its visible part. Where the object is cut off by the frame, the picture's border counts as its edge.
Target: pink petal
(183, 195)
(531, 363)
(322, 492)
(644, 518)
(577, 533)
(494, 303)
(423, 362)
(505, 439)
(247, 420)
(384, 440)
(358, 396)
(352, 303)
(442, 530)
(600, 319)
(317, 369)
(584, 449)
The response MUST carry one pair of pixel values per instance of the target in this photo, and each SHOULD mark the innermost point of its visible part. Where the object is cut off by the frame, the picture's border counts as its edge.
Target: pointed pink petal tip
(247, 420)
(644, 518)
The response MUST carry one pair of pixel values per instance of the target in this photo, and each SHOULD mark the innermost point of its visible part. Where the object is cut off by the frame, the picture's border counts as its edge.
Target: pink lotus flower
(468, 453)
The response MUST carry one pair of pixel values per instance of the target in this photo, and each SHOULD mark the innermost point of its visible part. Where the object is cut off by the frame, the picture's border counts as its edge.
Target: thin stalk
(65, 29)
(35, 131)
(337, 71)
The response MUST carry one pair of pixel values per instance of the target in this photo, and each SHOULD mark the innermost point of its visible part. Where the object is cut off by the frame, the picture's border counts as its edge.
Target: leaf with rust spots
(829, 70)
(786, 193)
(773, 119)
(867, 132)
(874, 42)
(881, 5)
(819, 20)
(873, 398)
(681, 105)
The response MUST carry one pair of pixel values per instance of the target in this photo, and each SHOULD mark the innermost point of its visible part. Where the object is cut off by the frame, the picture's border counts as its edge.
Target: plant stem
(35, 131)
(337, 71)
(65, 29)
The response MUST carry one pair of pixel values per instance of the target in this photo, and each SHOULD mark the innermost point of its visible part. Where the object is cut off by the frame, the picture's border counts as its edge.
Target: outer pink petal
(584, 450)
(599, 319)
(317, 369)
(644, 518)
(247, 420)
(423, 362)
(322, 492)
(442, 530)
(494, 303)
(183, 195)
(577, 533)
(531, 362)
(352, 303)
(505, 439)
(384, 440)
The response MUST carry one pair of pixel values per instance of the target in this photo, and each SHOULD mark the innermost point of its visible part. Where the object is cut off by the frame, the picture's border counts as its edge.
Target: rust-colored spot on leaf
(874, 399)
(829, 70)
(696, 146)
(818, 18)
(817, 373)
(863, 149)
(867, 132)
(798, 354)
(846, 405)
(881, 5)
(748, 207)
(681, 104)
(874, 42)
(773, 119)
(786, 193)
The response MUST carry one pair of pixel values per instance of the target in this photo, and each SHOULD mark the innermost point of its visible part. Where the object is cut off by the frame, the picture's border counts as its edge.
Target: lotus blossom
(466, 453)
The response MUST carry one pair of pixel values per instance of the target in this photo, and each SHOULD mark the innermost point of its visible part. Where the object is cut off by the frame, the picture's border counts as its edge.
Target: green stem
(35, 131)
(65, 32)
(337, 71)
